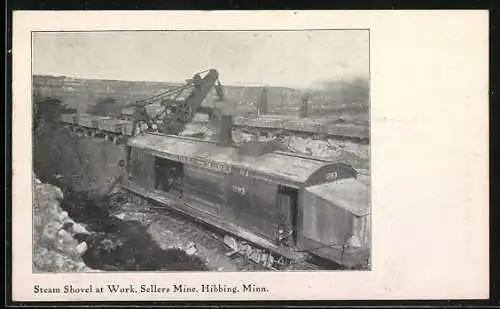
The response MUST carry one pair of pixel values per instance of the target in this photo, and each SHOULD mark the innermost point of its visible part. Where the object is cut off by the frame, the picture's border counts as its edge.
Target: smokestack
(262, 109)
(226, 131)
(304, 111)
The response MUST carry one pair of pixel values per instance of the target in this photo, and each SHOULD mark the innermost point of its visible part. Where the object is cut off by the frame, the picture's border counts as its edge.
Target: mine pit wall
(85, 163)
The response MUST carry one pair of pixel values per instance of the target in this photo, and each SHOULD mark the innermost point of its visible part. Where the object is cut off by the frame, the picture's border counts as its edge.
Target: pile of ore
(55, 234)
(311, 147)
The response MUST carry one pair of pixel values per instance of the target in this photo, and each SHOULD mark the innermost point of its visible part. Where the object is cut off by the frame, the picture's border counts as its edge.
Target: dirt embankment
(55, 244)
(79, 163)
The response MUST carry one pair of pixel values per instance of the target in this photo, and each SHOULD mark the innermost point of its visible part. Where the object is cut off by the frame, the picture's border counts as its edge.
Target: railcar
(315, 127)
(112, 129)
(69, 119)
(280, 124)
(240, 121)
(127, 113)
(88, 124)
(127, 128)
(87, 121)
(346, 130)
(311, 126)
(282, 203)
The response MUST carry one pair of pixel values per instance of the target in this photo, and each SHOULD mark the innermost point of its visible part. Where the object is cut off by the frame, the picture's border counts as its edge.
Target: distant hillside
(79, 94)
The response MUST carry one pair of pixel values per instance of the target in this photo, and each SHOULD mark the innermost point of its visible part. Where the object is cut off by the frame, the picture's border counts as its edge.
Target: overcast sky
(285, 58)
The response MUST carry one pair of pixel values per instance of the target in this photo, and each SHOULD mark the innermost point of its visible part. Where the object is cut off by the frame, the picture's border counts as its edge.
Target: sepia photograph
(223, 151)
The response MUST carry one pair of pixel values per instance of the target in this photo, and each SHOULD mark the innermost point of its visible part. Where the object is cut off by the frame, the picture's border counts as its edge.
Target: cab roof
(287, 167)
(350, 194)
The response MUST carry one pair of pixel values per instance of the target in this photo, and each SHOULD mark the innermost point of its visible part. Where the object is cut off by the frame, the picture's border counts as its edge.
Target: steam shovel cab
(266, 197)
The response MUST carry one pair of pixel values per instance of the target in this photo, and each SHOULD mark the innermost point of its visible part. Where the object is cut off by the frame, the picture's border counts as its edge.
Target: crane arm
(176, 107)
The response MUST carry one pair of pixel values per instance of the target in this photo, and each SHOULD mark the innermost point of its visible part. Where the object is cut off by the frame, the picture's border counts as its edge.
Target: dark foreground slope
(81, 163)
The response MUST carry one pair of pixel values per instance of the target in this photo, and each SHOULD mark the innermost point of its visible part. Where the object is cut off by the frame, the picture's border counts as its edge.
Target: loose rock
(55, 248)
(81, 248)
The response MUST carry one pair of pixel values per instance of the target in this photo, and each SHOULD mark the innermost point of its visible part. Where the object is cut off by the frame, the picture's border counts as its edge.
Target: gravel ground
(123, 242)
(170, 230)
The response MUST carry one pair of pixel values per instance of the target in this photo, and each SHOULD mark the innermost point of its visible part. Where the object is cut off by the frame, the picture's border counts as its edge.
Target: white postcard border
(429, 150)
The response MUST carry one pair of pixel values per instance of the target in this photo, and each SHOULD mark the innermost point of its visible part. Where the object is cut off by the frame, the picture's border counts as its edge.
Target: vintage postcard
(250, 155)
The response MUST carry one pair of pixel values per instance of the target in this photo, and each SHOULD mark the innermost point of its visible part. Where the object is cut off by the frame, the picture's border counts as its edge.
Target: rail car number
(331, 176)
(238, 189)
